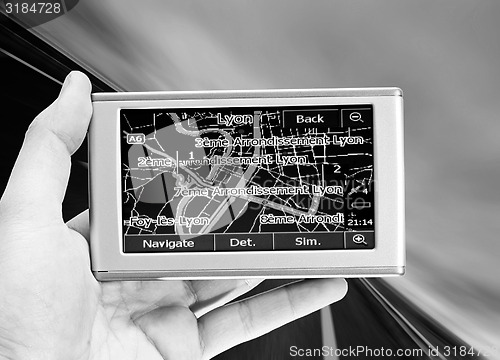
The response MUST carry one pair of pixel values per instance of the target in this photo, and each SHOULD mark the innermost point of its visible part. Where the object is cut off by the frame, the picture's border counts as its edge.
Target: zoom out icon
(355, 116)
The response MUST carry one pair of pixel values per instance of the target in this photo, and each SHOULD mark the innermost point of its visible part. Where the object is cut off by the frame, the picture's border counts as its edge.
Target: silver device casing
(110, 263)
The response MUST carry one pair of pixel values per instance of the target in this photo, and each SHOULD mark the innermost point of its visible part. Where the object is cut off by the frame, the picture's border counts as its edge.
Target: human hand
(51, 306)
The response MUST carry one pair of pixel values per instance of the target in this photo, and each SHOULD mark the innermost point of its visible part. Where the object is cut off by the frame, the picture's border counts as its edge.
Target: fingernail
(66, 81)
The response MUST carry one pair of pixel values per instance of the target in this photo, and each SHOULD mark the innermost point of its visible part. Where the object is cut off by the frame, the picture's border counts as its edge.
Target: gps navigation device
(275, 183)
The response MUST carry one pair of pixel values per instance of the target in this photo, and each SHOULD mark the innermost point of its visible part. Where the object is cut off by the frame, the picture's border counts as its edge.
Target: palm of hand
(65, 312)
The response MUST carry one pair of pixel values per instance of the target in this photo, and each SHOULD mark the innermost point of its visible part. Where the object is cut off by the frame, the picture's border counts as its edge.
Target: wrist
(19, 351)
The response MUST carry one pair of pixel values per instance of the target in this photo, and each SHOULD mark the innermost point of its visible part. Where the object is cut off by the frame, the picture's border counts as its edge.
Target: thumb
(38, 181)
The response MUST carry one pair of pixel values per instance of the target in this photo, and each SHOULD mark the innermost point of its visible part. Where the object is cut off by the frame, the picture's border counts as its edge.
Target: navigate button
(243, 242)
(167, 243)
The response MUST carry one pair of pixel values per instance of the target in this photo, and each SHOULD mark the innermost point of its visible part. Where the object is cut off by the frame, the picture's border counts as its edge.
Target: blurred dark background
(445, 55)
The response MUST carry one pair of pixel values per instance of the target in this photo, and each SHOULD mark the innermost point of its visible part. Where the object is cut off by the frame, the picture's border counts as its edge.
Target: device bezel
(110, 263)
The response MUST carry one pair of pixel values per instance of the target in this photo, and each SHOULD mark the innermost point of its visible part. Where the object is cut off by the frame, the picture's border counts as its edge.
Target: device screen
(247, 178)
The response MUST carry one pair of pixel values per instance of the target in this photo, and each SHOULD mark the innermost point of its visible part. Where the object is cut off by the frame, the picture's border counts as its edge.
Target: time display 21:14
(359, 222)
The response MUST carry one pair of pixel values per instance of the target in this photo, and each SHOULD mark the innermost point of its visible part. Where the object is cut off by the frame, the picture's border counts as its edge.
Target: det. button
(243, 242)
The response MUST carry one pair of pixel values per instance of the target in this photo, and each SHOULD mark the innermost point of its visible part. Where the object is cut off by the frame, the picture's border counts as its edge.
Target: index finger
(233, 324)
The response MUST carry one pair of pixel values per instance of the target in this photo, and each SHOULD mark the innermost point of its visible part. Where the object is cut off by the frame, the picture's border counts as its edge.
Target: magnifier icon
(359, 239)
(355, 116)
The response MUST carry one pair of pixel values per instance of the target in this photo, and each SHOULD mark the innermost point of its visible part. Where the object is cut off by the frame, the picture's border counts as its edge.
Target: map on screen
(247, 178)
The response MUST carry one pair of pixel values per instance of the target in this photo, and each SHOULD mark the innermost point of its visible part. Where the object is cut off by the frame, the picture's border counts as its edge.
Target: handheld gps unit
(276, 183)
